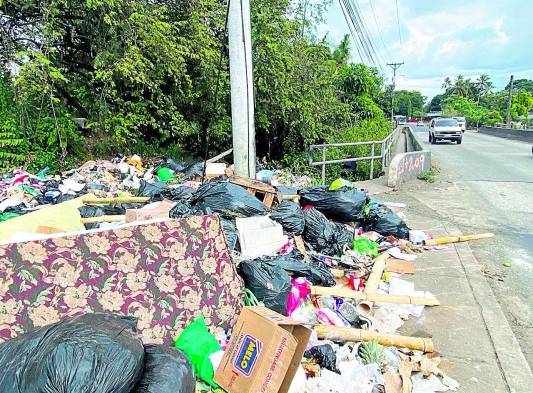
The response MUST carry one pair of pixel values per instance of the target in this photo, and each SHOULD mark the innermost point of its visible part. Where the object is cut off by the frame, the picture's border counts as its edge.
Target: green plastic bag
(8, 216)
(198, 344)
(165, 174)
(340, 183)
(364, 246)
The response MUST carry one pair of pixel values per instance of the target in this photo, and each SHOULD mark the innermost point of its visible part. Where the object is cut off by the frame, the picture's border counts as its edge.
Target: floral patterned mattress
(163, 273)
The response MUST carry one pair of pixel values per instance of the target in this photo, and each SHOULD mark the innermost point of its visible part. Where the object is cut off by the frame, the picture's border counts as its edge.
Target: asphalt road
(486, 185)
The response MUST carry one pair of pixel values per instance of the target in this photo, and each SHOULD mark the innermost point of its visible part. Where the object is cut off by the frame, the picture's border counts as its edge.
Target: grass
(428, 176)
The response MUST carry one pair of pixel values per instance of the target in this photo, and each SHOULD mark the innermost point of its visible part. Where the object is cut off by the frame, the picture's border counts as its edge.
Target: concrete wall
(508, 133)
(409, 165)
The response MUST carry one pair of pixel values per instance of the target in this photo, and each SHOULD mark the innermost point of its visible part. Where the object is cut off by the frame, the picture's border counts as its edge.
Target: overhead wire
(363, 39)
(398, 22)
(380, 32)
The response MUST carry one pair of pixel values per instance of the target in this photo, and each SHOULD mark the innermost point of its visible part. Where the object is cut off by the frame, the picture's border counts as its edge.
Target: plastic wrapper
(325, 236)
(174, 165)
(344, 205)
(166, 370)
(383, 220)
(230, 200)
(300, 290)
(198, 344)
(325, 357)
(290, 216)
(89, 353)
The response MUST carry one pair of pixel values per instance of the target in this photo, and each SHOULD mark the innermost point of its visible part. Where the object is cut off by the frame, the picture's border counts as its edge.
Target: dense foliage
(476, 101)
(92, 78)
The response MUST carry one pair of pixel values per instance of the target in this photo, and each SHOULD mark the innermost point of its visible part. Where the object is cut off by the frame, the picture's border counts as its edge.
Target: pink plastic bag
(301, 289)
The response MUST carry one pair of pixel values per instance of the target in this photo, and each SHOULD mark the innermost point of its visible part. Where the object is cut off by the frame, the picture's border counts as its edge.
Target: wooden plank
(250, 183)
(269, 199)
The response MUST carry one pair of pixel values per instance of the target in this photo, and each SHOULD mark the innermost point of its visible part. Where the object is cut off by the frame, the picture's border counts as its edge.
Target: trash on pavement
(228, 199)
(365, 247)
(325, 357)
(457, 239)
(325, 236)
(290, 216)
(70, 355)
(259, 236)
(166, 370)
(344, 205)
(340, 183)
(417, 237)
(150, 211)
(380, 218)
(199, 344)
(264, 353)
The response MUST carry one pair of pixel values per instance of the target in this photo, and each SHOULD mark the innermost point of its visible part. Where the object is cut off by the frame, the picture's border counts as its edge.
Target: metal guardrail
(385, 155)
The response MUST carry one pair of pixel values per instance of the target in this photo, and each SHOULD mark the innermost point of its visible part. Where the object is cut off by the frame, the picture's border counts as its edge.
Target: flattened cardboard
(263, 354)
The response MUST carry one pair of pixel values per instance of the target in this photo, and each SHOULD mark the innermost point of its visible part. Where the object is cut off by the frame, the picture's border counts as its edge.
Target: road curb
(512, 362)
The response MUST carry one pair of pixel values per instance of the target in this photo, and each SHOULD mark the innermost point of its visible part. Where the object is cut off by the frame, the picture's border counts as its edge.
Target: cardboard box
(150, 212)
(263, 354)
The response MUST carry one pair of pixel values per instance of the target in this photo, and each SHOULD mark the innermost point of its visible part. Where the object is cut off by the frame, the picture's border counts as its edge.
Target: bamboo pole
(457, 239)
(96, 220)
(337, 333)
(375, 297)
(91, 200)
(220, 156)
(373, 281)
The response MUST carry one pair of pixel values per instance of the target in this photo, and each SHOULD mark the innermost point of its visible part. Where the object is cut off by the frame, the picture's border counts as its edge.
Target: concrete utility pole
(510, 101)
(394, 67)
(242, 88)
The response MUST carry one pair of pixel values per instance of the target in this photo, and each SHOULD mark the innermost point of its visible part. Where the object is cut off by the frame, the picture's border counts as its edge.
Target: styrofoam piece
(259, 236)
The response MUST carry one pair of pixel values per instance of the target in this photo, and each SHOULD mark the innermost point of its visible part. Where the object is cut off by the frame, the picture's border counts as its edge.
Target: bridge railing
(384, 155)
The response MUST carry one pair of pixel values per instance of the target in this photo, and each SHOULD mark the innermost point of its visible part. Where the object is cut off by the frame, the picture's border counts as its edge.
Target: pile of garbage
(329, 258)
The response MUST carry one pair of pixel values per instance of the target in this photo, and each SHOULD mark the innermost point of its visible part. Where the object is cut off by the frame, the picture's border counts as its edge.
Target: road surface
(486, 185)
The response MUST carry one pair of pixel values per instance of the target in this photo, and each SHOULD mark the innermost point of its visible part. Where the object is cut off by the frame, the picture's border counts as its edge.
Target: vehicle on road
(420, 123)
(445, 129)
(400, 120)
(462, 122)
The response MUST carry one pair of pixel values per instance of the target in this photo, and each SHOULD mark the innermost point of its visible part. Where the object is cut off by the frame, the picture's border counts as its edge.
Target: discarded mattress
(163, 273)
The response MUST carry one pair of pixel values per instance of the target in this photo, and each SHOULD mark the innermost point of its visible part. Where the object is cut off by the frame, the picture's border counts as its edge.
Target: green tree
(521, 85)
(521, 107)
(409, 103)
(12, 145)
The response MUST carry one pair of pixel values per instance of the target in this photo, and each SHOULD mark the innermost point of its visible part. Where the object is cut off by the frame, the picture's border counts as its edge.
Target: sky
(440, 38)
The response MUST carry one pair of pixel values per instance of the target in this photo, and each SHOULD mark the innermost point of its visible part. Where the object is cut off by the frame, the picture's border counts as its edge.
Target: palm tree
(447, 83)
(462, 86)
(484, 86)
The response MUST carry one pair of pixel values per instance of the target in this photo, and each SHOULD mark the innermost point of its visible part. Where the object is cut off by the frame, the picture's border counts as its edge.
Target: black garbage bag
(290, 216)
(344, 205)
(230, 233)
(166, 370)
(151, 189)
(228, 199)
(88, 353)
(174, 165)
(325, 357)
(182, 209)
(325, 236)
(196, 169)
(268, 282)
(383, 220)
(316, 272)
(179, 193)
(103, 210)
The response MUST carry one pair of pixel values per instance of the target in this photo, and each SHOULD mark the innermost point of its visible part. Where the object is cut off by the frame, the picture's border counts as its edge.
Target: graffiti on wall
(412, 164)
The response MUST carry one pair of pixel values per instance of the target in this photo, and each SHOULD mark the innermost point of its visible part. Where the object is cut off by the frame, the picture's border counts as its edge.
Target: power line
(394, 67)
(380, 33)
(359, 31)
(398, 22)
